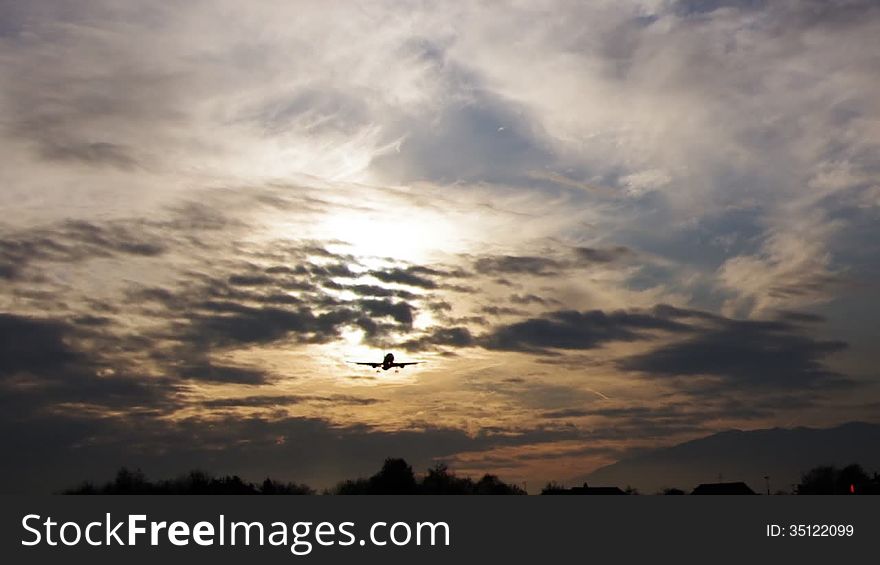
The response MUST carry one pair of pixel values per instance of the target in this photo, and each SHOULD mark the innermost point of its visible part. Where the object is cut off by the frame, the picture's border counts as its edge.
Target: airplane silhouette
(387, 363)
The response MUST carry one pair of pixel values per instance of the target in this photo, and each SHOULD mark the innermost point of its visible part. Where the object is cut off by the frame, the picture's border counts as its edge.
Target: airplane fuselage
(388, 362)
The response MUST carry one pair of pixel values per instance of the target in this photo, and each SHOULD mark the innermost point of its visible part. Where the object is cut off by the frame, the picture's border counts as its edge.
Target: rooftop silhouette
(737, 487)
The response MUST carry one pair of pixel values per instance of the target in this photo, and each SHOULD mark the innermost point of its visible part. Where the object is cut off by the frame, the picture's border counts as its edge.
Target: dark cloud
(570, 329)
(280, 401)
(454, 337)
(89, 320)
(808, 284)
(547, 265)
(211, 372)
(115, 237)
(75, 241)
(745, 353)
(247, 325)
(372, 290)
(775, 353)
(531, 299)
(797, 14)
(799, 317)
(409, 277)
(230, 304)
(35, 346)
(439, 306)
(502, 311)
(278, 298)
(262, 314)
(401, 312)
(341, 270)
(675, 313)
(251, 280)
(99, 153)
(42, 368)
(596, 255)
(517, 264)
(566, 413)
(689, 7)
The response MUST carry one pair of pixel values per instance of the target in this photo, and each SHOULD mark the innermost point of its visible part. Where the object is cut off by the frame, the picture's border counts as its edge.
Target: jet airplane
(386, 363)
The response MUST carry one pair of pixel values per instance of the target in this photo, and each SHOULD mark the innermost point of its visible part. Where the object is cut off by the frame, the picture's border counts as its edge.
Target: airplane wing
(405, 364)
(367, 363)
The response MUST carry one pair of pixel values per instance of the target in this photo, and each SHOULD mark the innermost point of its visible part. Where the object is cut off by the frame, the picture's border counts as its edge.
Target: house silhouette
(586, 489)
(738, 487)
(871, 487)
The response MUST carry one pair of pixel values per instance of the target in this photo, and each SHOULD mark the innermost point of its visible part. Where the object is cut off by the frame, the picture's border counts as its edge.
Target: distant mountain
(780, 453)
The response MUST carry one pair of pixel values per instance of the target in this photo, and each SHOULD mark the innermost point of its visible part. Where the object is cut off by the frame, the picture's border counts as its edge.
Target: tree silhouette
(553, 488)
(491, 484)
(672, 491)
(830, 480)
(439, 480)
(195, 482)
(273, 487)
(396, 477)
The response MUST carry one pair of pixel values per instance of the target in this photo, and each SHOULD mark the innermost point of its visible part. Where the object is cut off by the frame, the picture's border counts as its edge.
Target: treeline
(395, 477)
(195, 482)
(827, 479)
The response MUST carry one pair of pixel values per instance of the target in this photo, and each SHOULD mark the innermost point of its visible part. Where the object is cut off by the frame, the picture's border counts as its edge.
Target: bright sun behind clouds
(392, 231)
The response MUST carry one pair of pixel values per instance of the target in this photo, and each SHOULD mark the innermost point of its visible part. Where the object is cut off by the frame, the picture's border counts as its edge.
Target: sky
(600, 227)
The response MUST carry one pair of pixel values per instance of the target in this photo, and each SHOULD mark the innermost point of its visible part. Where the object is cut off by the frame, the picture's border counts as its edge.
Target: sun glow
(402, 233)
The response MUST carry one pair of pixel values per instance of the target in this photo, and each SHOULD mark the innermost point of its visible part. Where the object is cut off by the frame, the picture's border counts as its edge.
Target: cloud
(792, 269)
(246, 325)
(408, 276)
(456, 337)
(597, 255)
(75, 241)
(33, 345)
(520, 265)
(746, 353)
(566, 413)
(530, 299)
(401, 312)
(568, 329)
(277, 401)
(42, 371)
(482, 138)
(379, 291)
(95, 153)
(550, 264)
(210, 372)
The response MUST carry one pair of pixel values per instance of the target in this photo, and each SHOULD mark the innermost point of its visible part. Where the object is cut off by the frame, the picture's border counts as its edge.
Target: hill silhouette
(780, 454)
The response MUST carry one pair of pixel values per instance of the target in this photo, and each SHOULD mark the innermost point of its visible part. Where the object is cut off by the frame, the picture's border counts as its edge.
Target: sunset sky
(601, 227)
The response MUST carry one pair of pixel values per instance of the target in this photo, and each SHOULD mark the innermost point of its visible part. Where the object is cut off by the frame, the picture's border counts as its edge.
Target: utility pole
(767, 480)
